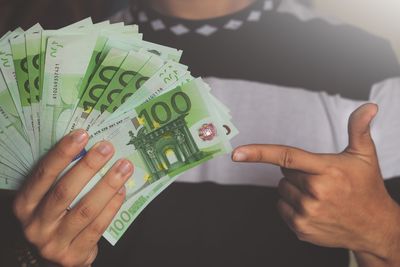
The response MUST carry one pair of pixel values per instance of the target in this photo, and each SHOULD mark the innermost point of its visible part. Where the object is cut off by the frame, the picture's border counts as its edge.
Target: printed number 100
(161, 113)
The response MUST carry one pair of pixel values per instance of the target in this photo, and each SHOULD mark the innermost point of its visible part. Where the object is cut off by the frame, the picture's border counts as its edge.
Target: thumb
(360, 140)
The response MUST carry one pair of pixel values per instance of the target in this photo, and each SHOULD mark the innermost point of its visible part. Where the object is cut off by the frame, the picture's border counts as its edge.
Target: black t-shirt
(262, 44)
(206, 224)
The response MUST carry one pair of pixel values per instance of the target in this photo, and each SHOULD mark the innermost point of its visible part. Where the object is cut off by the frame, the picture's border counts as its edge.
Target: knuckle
(259, 156)
(49, 252)
(315, 189)
(68, 261)
(60, 192)
(64, 150)
(303, 204)
(286, 158)
(311, 209)
(299, 225)
(41, 171)
(36, 234)
(341, 179)
(98, 230)
(30, 232)
(335, 172)
(47, 247)
(46, 253)
(115, 205)
(85, 213)
(90, 163)
(112, 183)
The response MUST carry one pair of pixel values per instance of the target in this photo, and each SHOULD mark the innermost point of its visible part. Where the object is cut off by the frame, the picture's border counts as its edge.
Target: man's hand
(337, 200)
(63, 236)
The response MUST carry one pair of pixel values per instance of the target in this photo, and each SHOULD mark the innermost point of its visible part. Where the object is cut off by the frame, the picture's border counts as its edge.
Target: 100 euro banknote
(163, 138)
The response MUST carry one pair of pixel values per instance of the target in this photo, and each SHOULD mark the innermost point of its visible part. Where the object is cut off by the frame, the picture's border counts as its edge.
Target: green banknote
(7, 171)
(94, 62)
(142, 65)
(98, 84)
(7, 183)
(19, 55)
(128, 70)
(8, 71)
(78, 28)
(7, 104)
(126, 43)
(84, 38)
(80, 25)
(104, 35)
(113, 122)
(159, 79)
(117, 118)
(163, 138)
(32, 43)
(62, 78)
(5, 36)
(9, 158)
(122, 43)
(10, 120)
(14, 139)
(9, 154)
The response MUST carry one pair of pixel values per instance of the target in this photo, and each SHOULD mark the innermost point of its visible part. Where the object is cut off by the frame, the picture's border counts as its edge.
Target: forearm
(387, 252)
(369, 260)
(385, 255)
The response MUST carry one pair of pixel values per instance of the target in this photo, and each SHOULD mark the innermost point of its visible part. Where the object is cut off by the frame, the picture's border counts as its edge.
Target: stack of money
(105, 79)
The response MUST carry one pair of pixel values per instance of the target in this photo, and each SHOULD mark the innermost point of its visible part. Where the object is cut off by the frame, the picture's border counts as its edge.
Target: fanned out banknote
(105, 79)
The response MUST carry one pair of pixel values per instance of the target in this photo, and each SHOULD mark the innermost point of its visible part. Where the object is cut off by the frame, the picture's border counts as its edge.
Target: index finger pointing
(283, 156)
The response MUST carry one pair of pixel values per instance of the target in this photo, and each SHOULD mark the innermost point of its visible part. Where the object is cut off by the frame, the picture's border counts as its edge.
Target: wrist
(384, 246)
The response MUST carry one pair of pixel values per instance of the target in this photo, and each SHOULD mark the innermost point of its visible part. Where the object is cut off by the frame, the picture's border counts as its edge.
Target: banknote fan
(105, 79)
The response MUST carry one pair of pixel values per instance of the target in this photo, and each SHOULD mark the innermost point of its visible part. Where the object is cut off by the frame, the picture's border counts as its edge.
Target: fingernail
(79, 136)
(105, 149)
(239, 156)
(122, 190)
(124, 167)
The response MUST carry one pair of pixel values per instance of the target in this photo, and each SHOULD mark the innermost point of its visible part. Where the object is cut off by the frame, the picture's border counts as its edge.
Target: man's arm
(337, 200)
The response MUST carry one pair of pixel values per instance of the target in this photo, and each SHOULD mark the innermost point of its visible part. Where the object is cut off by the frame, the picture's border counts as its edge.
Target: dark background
(53, 14)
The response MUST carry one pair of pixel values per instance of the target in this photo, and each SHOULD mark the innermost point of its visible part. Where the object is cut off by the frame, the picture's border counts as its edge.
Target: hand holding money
(133, 94)
(337, 200)
(69, 236)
